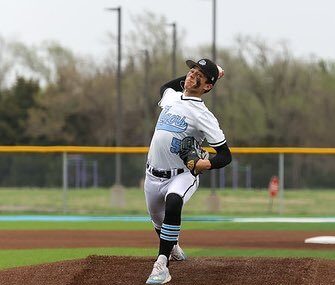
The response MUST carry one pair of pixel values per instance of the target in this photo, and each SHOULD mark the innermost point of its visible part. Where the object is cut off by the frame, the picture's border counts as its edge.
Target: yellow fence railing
(140, 149)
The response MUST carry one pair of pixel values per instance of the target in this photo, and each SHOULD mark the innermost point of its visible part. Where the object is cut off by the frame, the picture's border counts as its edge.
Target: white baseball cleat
(177, 253)
(160, 273)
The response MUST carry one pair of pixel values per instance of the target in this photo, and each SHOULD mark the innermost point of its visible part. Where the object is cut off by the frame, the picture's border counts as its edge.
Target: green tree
(14, 105)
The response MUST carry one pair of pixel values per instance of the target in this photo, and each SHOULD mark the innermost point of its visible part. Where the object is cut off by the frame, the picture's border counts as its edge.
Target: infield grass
(15, 258)
(242, 203)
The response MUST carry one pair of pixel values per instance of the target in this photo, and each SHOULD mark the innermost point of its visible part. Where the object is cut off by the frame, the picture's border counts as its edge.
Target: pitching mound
(105, 270)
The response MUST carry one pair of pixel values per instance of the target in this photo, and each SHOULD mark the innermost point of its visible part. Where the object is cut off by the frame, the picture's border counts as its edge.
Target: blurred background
(87, 73)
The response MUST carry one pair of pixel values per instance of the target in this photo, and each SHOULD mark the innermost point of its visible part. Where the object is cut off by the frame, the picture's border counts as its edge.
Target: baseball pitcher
(176, 159)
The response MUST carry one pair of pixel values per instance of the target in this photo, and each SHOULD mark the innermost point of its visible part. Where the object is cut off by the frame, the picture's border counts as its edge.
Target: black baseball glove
(190, 152)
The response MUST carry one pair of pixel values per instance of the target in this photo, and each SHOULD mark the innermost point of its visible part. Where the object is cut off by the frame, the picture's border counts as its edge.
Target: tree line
(268, 96)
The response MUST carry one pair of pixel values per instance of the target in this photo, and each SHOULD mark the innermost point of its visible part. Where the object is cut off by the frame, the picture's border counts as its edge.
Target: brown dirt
(26, 239)
(105, 270)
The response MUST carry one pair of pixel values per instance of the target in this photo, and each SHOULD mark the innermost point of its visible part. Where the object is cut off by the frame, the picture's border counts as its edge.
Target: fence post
(281, 183)
(213, 180)
(248, 176)
(65, 182)
(235, 174)
(95, 174)
(222, 178)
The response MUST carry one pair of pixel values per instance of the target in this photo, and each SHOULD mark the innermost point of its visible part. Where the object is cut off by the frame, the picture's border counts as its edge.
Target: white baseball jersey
(181, 116)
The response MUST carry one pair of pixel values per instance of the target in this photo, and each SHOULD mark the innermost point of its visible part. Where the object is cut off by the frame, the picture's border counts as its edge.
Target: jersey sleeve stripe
(217, 144)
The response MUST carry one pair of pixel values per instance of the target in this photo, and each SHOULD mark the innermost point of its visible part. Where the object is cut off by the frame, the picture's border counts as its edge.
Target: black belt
(164, 173)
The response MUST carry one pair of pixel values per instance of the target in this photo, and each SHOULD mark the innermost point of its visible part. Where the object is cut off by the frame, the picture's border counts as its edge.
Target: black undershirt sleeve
(176, 84)
(222, 158)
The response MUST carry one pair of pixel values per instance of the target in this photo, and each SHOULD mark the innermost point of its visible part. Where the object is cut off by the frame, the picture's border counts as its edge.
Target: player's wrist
(202, 164)
(221, 72)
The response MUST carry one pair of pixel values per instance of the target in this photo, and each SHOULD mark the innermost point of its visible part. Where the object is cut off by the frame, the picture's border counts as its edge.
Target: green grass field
(228, 202)
(14, 258)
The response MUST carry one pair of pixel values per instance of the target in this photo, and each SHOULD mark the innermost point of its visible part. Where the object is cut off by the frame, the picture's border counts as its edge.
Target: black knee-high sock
(169, 232)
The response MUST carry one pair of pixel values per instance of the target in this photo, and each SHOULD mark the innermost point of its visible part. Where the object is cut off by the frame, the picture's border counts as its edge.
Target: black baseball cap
(208, 67)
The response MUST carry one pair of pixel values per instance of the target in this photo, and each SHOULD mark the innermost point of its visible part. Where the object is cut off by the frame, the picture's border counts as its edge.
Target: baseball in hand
(221, 72)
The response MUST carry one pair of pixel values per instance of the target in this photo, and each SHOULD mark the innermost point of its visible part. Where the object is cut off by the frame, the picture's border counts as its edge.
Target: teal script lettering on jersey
(175, 145)
(171, 122)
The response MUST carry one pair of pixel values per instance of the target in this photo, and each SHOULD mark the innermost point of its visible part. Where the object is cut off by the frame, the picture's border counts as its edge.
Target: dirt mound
(105, 270)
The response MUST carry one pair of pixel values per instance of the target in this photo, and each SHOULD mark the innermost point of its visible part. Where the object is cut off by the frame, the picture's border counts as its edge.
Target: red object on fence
(273, 186)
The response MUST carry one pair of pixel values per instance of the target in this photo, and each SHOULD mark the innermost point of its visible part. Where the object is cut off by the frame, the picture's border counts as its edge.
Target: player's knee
(173, 207)
(157, 219)
(174, 203)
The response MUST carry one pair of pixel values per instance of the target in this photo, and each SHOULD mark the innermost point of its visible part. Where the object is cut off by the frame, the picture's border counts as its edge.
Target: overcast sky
(82, 25)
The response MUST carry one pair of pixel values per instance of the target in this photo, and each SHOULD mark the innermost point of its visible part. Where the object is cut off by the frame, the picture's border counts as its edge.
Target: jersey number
(175, 145)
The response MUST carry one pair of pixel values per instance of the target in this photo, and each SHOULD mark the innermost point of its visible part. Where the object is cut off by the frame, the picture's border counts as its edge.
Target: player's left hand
(190, 152)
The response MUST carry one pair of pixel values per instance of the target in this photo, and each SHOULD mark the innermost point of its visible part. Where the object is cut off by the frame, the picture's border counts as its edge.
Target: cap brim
(191, 64)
